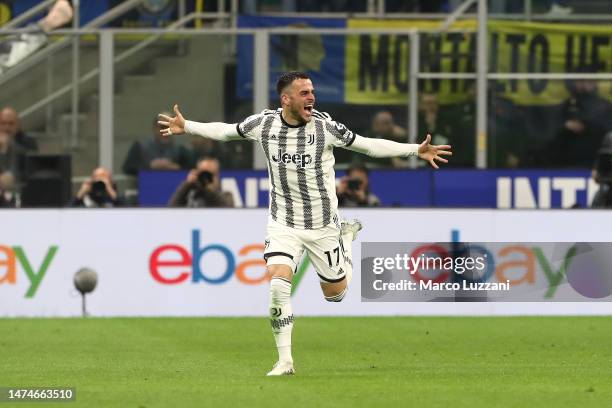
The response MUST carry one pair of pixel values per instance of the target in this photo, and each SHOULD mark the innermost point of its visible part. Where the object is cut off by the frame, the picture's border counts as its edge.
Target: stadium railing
(260, 64)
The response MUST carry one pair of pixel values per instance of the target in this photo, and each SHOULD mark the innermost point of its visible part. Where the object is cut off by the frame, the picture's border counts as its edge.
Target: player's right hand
(172, 126)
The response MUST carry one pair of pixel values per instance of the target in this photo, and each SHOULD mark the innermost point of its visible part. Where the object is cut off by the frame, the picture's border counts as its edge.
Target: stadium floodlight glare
(85, 281)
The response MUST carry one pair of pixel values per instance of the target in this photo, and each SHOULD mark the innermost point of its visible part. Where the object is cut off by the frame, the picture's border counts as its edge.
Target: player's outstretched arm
(178, 125)
(388, 148)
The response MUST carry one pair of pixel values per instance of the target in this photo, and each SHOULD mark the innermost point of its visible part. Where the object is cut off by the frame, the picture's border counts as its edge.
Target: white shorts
(285, 246)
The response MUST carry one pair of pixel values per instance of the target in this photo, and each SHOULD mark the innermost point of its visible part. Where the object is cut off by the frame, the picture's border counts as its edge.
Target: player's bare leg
(336, 291)
(281, 317)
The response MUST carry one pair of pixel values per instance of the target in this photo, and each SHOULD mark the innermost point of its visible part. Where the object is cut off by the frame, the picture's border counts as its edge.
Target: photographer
(602, 174)
(12, 156)
(98, 192)
(354, 188)
(156, 152)
(586, 117)
(202, 188)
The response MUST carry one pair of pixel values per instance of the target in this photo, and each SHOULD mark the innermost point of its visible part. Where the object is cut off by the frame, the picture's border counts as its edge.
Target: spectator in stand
(99, 191)
(156, 153)
(354, 188)
(509, 136)
(451, 125)
(384, 127)
(9, 197)
(431, 121)
(11, 124)
(202, 188)
(461, 120)
(12, 157)
(586, 118)
(60, 14)
(202, 147)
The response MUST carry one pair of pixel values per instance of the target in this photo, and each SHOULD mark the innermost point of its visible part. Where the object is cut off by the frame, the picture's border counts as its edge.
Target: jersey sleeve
(250, 128)
(338, 135)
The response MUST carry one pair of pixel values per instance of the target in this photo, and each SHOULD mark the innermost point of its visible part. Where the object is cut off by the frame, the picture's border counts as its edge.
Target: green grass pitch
(356, 362)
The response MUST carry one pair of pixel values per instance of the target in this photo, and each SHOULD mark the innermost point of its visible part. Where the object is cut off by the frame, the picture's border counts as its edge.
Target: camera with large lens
(98, 191)
(354, 184)
(205, 178)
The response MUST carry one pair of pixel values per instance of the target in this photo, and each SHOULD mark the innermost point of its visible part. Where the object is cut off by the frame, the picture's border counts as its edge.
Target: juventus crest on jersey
(300, 165)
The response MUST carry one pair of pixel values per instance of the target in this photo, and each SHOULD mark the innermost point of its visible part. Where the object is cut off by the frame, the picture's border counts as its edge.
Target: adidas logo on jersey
(300, 160)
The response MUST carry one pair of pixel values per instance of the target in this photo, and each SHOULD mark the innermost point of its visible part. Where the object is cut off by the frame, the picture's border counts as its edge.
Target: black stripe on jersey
(321, 115)
(340, 132)
(265, 136)
(337, 224)
(302, 184)
(284, 181)
(325, 201)
(247, 127)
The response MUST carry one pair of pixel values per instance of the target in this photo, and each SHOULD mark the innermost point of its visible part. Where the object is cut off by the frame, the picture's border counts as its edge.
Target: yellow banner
(376, 68)
(5, 14)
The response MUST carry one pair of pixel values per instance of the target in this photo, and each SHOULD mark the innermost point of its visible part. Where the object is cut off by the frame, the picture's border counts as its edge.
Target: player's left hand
(172, 126)
(431, 152)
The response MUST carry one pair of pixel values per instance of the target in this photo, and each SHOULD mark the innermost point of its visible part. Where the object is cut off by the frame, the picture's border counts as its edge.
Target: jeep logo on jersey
(301, 160)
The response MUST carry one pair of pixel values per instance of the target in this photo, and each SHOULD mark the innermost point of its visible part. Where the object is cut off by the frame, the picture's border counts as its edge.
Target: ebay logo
(172, 264)
(11, 258)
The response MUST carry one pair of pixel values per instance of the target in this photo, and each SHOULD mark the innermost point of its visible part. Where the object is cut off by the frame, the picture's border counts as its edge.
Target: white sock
(347, 244)
(281, 316)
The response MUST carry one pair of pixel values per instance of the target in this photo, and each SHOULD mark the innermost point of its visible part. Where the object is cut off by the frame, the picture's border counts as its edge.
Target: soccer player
(298, 142)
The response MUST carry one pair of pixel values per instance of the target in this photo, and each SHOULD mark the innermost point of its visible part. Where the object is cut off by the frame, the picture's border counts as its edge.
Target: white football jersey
(300, 165)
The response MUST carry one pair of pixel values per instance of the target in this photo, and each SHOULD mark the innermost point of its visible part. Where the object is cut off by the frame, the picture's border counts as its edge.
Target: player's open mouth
(308, 109)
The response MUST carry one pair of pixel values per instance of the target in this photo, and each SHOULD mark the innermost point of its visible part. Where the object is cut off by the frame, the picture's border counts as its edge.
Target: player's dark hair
(287, 78)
